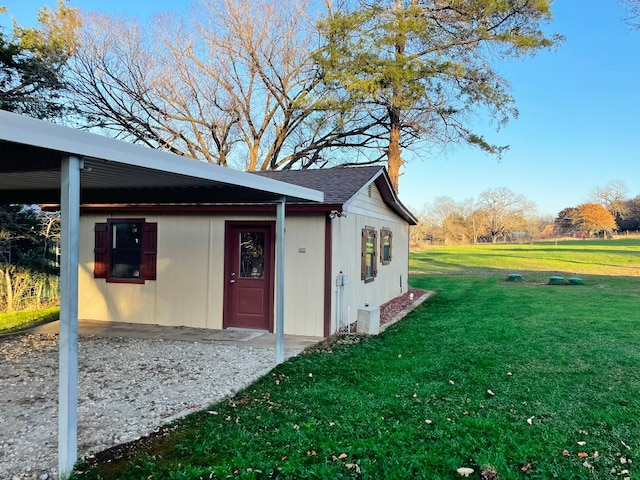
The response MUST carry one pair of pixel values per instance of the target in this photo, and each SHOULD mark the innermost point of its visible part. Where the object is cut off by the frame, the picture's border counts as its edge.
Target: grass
(561, 363)
(11, 322)
(599, 257)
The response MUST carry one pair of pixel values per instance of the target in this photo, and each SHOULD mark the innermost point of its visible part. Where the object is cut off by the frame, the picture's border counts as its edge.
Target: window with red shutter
(125, 250)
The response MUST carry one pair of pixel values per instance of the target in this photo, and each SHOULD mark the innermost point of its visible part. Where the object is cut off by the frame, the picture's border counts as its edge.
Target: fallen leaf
(624, 472)
(623, 460)
(490, 392)
(625, 445)
(452, 382)
(586, 464)
(465, 471)
(296, 427)
(582, 443)
(311, 453)
(565, 453)
(415, 395)
(331, 424)
(596, 454)
(212, 412)
(428, 422)
(530, 420)
(342, 455)
(509, 373)
(582, 455)
(526, 467)
(284, 457)
(311, 375)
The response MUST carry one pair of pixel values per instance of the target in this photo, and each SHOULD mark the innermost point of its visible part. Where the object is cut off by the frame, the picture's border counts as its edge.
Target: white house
(211, 264)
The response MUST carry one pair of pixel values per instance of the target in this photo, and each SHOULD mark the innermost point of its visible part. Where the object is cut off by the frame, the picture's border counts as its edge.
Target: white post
(280, 229)
(68, 339)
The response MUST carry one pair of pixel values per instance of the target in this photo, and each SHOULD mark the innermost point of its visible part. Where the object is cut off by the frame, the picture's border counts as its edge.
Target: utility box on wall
(369, 320)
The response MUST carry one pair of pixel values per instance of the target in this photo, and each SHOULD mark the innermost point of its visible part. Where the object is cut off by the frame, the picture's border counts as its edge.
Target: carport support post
(68, 339)
(280, 214)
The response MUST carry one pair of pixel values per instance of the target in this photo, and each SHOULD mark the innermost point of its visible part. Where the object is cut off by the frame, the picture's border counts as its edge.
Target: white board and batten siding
(367, 209)
(189, 287)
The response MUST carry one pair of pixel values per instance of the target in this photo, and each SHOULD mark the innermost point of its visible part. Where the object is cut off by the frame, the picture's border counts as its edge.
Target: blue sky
(579, 123)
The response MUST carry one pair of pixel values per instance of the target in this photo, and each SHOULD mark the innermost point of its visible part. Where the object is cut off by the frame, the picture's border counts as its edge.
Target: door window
(252, 254)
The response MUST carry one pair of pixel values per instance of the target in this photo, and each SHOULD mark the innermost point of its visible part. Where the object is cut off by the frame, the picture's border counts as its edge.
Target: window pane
(252, 254)
(369, 256)
(386, 248)
(126, 250)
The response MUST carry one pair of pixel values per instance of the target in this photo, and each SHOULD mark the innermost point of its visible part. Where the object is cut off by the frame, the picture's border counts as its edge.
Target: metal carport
(42, 162)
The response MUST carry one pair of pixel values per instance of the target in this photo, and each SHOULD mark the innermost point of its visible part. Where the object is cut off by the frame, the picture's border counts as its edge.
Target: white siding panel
(183, 263)
(347, 234)
(304, 278)
(371, 206)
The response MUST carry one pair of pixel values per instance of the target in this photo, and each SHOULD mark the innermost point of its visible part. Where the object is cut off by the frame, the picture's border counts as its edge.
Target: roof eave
(37, 133)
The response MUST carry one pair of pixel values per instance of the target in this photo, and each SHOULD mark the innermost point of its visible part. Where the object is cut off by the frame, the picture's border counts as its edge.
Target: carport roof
(31, 152)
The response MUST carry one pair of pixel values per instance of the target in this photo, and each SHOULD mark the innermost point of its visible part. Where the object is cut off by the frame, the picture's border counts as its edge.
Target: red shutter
(101, 251)
(149, 250)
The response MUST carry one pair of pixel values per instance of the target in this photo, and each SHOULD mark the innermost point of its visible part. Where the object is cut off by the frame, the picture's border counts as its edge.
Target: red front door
(248, 270)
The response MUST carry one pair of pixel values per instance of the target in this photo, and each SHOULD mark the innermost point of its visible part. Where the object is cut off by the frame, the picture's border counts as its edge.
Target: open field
(579, 257)
(523, 379)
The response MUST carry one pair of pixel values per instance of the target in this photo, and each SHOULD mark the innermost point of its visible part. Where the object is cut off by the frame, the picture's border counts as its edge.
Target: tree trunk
(9, 287)
(394, 161)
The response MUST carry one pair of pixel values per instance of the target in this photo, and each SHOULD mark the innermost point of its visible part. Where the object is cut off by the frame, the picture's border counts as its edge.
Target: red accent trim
(328, 280)
(157, 208)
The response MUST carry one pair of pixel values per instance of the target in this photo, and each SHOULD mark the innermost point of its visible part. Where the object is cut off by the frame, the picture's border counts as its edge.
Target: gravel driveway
(128, 387)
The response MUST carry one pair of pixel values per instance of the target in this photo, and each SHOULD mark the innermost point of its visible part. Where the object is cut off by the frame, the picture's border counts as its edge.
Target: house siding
(189, 289)
(364, 210)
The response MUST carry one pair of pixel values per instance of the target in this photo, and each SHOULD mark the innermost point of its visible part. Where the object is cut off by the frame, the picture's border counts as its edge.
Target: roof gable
(341, 184)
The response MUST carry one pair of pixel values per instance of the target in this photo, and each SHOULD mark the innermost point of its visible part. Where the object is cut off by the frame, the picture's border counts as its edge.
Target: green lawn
(486, 374)
(17, 321)
(598, 257)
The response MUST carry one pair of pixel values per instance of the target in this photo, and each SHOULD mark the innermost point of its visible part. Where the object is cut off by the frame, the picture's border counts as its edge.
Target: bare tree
(505, 211)
(613, 197)
(633, 9)
(233, 84)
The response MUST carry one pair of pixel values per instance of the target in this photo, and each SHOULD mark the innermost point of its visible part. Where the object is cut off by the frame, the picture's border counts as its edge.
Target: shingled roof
(340, 184)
